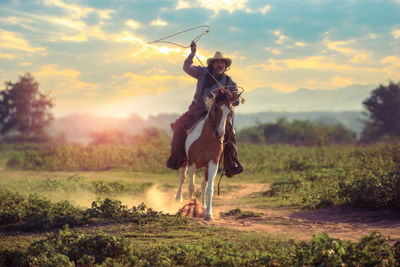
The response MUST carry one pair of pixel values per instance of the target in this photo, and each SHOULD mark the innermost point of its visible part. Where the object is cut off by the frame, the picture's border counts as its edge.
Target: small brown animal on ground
(192, 209)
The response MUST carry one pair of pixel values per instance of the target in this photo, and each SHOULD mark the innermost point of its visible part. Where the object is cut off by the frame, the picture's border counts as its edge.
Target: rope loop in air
(196, 39)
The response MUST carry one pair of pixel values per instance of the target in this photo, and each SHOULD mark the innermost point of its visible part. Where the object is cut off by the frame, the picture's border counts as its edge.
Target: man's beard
(218, 72)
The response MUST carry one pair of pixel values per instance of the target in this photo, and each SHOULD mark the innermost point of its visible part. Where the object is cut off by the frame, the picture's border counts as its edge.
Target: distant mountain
(78, 127)
(262, 105)
(304, 100)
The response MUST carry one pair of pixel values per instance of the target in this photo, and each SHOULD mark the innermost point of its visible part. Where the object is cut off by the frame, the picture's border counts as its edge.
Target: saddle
(194, 124)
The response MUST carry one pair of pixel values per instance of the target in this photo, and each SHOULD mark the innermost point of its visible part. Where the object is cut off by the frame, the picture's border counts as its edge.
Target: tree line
(298, 132)
(25, 112)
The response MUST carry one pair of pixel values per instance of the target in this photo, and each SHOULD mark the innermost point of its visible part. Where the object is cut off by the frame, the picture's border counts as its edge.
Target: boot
(232, 165)
(178, 155)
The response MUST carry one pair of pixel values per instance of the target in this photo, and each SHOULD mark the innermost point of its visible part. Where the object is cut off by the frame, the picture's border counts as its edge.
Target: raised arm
(193, 71)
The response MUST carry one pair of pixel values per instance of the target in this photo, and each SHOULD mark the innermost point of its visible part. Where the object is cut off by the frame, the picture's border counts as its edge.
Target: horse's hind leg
(192, 186)
(212, 171)
(182, 178)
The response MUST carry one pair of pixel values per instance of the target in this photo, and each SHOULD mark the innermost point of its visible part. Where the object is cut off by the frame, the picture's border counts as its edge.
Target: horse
(204, 146)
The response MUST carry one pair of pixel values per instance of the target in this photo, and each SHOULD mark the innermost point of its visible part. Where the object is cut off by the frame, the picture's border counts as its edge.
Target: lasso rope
(196, 39)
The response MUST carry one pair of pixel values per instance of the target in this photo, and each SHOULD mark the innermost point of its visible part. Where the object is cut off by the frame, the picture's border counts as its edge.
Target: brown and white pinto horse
(204, 146)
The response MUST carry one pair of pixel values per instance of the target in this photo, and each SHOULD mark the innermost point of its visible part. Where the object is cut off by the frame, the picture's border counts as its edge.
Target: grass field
(261, 215)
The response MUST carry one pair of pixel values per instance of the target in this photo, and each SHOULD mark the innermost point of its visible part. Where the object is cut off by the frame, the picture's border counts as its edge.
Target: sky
(93, 56)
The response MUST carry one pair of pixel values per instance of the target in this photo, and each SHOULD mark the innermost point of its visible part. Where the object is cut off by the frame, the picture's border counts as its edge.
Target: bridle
(214, 125)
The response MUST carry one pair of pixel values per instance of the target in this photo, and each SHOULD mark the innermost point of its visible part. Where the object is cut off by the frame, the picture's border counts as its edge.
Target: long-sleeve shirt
(200, 73)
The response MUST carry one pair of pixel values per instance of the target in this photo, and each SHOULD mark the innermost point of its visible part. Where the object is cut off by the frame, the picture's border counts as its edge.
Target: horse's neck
(198, 129)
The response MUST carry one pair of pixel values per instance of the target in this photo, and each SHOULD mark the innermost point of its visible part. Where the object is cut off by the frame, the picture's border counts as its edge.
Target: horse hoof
(208, 217)
(178, 199)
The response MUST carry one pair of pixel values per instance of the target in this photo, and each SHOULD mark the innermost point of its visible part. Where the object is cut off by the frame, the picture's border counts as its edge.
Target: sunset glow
(94, 56)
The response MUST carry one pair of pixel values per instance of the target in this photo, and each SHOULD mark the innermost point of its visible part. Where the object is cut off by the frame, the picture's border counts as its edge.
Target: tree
(24, 108)
(383, 107)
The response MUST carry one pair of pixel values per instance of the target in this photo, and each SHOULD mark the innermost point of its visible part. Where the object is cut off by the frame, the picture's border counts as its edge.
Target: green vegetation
(297, 133)
(110, 233)
(92, 158)
(77, 184)
(303, 177)
(37, 213)
(366, 178)
(197, 245)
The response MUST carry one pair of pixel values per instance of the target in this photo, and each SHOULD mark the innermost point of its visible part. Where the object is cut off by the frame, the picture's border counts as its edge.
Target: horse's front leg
(191, 186)
(203, 188)
(182, 178)
(212, 171)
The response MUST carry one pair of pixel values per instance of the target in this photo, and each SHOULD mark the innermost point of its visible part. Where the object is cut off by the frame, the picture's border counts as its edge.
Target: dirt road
(340, 223)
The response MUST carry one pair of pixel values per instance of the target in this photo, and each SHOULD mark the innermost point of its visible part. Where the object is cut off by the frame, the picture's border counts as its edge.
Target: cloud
(218, 5)
(77, 12)
(133, 24)
(14, 41)
(159, 22)
(144, 49)
(74, 30)
(393, 66)
(359, 57)
(73, 24)
(280, 36)
(338, 46)
(272, 50)
(339, 81)
(264, 9)
(396, 33)
(130, 38)
(131, 84)
(8, 56)
(313, 62)
(299, 44)
(273, 64)
(22, 22)
(182, 4)
(64, 81)
(234, 29)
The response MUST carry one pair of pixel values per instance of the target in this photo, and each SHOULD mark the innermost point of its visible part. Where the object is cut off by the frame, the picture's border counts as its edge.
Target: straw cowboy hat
(219, 55)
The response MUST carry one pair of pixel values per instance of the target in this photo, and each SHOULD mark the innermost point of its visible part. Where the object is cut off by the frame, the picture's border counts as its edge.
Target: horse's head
(221, 109)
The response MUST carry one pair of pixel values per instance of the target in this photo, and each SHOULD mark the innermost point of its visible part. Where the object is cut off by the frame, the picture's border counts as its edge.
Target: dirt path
(336, 222)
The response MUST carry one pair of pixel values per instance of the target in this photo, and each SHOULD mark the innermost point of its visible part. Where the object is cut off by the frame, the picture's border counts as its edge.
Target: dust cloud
(155, 199)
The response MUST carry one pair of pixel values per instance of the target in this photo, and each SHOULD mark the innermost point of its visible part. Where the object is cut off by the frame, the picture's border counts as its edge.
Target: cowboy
(206, 84)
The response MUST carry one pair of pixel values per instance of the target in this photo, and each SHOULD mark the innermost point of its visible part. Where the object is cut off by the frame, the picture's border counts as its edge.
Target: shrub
(70, 248)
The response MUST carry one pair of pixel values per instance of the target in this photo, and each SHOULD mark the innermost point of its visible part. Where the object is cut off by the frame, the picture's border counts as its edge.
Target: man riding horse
(206, 85)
